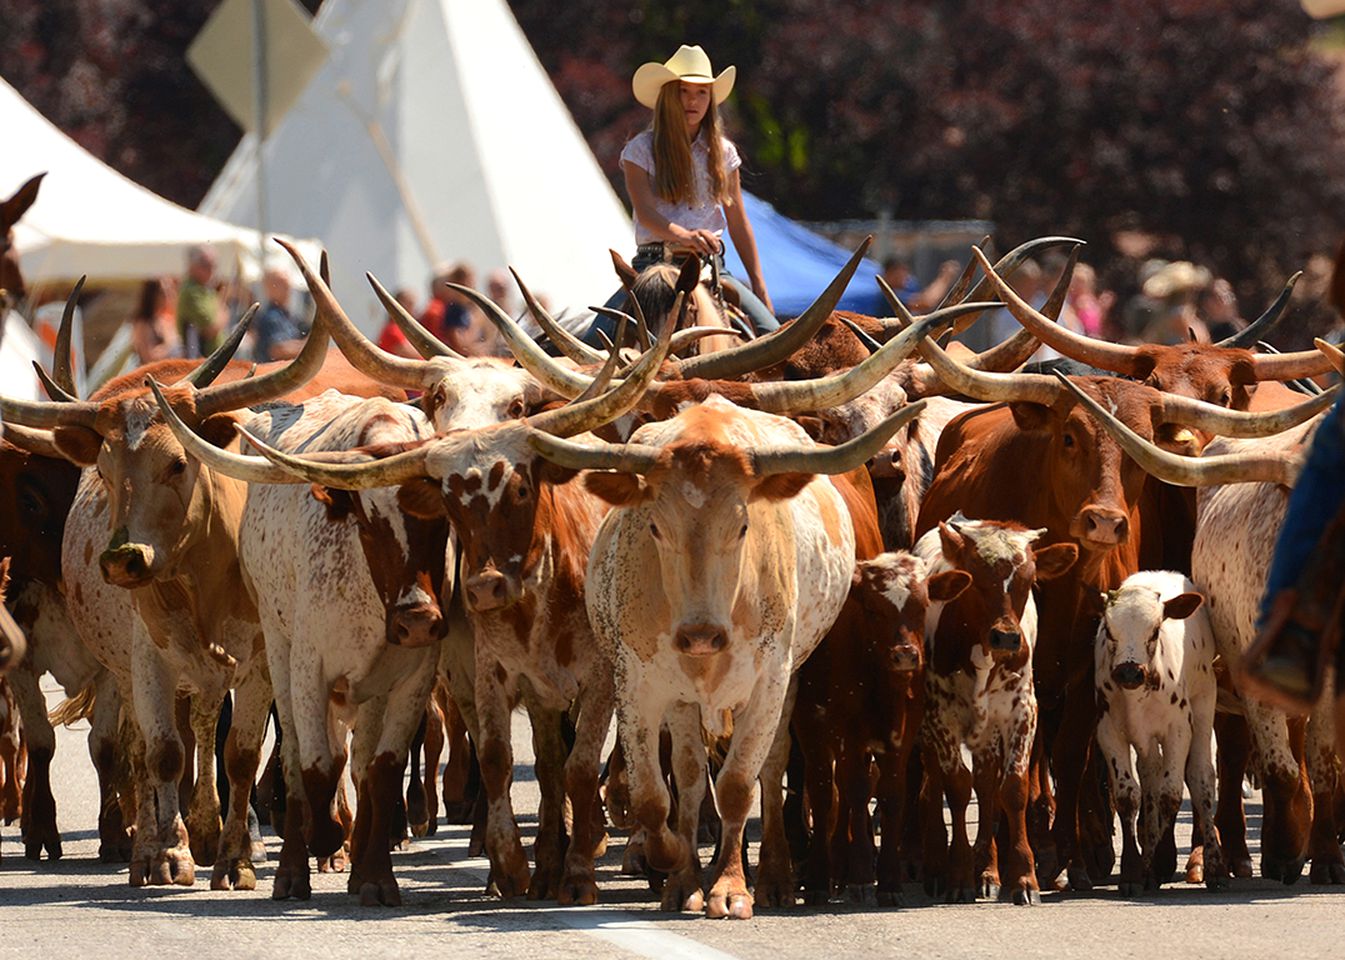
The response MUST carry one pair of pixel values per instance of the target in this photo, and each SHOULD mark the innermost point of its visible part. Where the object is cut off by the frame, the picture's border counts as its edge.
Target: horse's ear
(690, 275)
(16, 206)
(623, 269)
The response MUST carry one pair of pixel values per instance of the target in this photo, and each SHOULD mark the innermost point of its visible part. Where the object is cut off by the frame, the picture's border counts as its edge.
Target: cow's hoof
(33, 847)
(862, 894)
(987, 889)
(336, 863)
(420, 829)
(506, 886)
(1326, 871)
(384, 893)
(580, 890)
(139, 872)
(735, 906)
(545, 882)
(1099, 858)
(1027, 898)
(114, 852)
(816, 898)
(291, 886)
(774, 888)
(960, 895)
(1079, 878)
(476, 846)
(682, 893)
(934, 887)
(1216, 881)
(236, 874)
(1048, 866)
(894, 898)
(1242, 869)
(1293, 869)
(633, 863)
(1195, 873)
(1130, 889)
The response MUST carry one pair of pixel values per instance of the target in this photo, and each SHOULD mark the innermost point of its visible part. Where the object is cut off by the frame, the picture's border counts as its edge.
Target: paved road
(79, 907)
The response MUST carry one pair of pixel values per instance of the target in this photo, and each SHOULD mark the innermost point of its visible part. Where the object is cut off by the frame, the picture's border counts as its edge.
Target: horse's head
(655, 289)
(12, 288)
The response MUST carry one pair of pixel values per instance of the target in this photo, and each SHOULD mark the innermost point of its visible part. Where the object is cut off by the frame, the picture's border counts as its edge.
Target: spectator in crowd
(200, 314)
(897, 273)
(1217, 307)
(1083, 300)
(391, 337)
(500, 288)
(1172, 290)
(154, 324)
(998, 325)
(449, 315)
(278, 335)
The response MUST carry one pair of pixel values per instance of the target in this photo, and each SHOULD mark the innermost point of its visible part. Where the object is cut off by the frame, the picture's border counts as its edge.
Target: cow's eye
(523, 492)
(179, 466)
(653, 528)
(1068, 441)
(743, 532)
(516, 410)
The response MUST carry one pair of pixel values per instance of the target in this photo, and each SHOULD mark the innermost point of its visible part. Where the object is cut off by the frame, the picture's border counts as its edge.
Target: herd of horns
(841, 557)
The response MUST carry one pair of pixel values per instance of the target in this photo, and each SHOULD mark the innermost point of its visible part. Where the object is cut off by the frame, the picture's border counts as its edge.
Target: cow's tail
(71, 710)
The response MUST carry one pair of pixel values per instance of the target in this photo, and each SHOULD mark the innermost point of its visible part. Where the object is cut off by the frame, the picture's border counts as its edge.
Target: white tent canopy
(89, 219)
(430, 134)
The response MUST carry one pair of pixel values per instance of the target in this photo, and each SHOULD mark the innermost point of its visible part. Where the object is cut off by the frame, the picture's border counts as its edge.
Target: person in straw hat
(682, 175)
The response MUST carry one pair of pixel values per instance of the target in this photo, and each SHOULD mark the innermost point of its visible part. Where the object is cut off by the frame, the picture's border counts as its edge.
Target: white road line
(621, 928)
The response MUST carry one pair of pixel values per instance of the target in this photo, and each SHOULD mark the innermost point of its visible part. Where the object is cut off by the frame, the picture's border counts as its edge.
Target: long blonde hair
(674, 179)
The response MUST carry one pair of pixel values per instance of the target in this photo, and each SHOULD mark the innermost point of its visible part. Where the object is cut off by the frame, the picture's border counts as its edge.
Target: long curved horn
(52, 388)
(1019, 348)
(1238, 423)
(219, 397)
(604, 377)
(226, 462)
(1097, 353)
(1262, 325)
(60, 365)
(425, 343)
(987, 386)
(1245, 467)
(838, 459)
(40, 442)
(369, 358)
(1290, 366)
(688, 335)
(790, 396)
(215, 364)
(566, 342)
(622, 457)
(388, 472)
(45, 414)
(579, 417)
(1332, 353)
(530, 356)
(764, 351)
(866, 341)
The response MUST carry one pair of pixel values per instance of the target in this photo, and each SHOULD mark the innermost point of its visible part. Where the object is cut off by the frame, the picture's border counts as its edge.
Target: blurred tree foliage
(1209, 124)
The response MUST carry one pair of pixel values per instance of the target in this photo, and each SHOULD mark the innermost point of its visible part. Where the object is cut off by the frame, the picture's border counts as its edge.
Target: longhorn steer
(979, 695)
(1154, 672)
(716, 575)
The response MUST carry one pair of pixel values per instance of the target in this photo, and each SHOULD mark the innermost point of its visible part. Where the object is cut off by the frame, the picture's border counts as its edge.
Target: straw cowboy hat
(688, 63)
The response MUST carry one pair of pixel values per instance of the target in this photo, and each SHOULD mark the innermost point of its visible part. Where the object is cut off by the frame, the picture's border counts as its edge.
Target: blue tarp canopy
(798, 264)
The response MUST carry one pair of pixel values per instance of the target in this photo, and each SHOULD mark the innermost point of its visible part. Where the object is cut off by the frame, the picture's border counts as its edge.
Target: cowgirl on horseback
(682, 177)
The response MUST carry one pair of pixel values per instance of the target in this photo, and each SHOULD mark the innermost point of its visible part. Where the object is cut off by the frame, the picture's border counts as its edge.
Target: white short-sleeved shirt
(704, 213)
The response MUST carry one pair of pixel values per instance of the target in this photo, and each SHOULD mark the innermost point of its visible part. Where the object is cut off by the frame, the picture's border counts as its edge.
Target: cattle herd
(839, 556)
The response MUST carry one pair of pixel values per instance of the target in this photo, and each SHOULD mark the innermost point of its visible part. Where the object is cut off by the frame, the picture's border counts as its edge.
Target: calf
(861, 694)
(1154, 670)
(980, 695)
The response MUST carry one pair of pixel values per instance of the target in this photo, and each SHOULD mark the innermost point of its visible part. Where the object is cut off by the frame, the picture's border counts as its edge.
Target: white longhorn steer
(725, 561)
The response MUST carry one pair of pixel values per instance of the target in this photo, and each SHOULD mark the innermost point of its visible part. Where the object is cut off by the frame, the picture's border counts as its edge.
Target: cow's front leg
(233, 868)
(897, 814)
(640, 713)
(1020, 873)
(38, 817)
(203, 808)
(987, 776)
(1328, 865)
(1116, 751)
(109, 760)
(1200, 781)
(1232, 759)
(508, 863)
(775, 872)
(550, 750)
(168, 853)
(582, 770)
(1161, 780)
(684, 889)
(754, 732)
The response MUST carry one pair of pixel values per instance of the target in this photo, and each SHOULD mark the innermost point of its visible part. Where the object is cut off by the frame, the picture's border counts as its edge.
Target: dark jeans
(763, 321)
(1313, 504)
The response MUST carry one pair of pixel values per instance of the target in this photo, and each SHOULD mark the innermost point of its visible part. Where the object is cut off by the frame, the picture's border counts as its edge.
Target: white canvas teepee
(432, 133)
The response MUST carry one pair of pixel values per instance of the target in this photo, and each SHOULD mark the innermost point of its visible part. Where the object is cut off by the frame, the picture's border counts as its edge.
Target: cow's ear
(813, 426)
(781, 486)
(624, 271)
(422, 498)
(1242, 373)
(219, 430)
(1030, 416)
(948, 586)
(618, 489)
(338, 502)
(79, 445)
(1144, 365)
(1182, 606)
(1056, 559)
(554, 473)
(950, 541)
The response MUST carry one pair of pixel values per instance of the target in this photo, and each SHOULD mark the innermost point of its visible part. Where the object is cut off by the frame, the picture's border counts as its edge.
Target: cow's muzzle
(129, 565)
(492, 590)
(1101, 526)
(906, 657)
(415, 626)
(1129, 675)
(700, 639)
(1005, 641)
